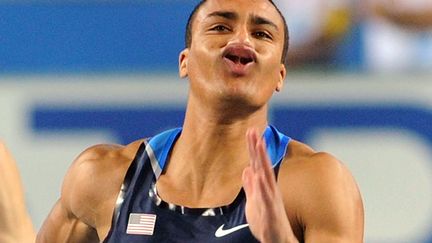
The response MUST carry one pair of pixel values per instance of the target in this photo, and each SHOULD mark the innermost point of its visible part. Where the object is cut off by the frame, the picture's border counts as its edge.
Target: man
(206, 182)
(15, 223)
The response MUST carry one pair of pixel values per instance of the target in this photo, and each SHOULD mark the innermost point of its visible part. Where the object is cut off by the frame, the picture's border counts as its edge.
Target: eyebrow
(224, 14)
(257, 20)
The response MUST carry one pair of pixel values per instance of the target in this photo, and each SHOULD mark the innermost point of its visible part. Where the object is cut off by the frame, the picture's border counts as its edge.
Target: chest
(146, 220)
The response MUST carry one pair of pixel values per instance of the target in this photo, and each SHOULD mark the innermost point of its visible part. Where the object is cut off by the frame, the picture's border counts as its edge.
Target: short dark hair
(188, 35)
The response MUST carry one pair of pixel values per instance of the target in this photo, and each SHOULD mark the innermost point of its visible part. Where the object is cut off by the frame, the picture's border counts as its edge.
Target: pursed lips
(239, 59)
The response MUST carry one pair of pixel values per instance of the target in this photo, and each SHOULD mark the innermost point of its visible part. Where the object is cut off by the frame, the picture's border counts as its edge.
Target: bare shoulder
(93, 181)
(306, 174)
(302, 158)
(320, 193)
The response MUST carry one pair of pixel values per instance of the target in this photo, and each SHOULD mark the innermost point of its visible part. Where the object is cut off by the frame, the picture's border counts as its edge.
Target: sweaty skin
(15, 223)
(315, 198)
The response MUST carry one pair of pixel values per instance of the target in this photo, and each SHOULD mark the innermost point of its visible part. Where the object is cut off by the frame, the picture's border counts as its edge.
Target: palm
(265, 210)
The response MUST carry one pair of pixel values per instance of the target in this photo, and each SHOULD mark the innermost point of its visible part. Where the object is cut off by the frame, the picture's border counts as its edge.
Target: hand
(265, 211)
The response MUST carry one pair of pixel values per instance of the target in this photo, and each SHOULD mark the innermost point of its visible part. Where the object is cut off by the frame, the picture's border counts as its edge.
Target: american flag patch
(141, 224)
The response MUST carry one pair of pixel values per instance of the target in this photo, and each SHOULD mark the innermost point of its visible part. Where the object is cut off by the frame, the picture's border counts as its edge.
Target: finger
(265, 164)
(260, 158)
(263, 196)
(252, 148)
(255, 141)
(266, 195)
(250, 145)
(247, 181)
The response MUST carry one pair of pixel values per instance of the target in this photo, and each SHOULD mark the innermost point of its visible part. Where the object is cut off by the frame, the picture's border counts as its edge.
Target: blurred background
(78, 73)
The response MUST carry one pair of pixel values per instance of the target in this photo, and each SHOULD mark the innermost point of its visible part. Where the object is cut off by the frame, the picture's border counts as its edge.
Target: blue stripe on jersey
(162, 144)
(276, 144)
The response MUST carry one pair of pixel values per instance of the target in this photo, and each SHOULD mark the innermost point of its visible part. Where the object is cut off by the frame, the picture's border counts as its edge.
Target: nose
(241, 36)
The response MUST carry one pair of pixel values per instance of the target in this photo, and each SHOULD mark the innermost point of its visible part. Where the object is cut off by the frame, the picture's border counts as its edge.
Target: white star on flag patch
(141, 224)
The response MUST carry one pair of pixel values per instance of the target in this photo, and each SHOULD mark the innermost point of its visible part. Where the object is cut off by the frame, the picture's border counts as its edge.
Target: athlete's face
(236, 51)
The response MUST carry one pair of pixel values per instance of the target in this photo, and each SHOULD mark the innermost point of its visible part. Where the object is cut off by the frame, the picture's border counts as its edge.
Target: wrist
(290, 238)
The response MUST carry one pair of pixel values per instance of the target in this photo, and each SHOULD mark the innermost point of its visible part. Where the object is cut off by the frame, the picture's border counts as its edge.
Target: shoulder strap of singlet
(127, 181)
(159, 147)
(276, 145)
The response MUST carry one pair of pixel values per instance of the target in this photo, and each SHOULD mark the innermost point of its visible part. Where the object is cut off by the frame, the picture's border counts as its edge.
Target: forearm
(72, 232)
(290, 239)
(15, 222)
(22, 232)
(421, 19)
(5, 238)
(414, 20)
(61, 226)
(25, 237)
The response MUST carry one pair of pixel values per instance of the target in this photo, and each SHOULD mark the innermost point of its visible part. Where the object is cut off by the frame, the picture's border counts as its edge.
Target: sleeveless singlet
(142, 216)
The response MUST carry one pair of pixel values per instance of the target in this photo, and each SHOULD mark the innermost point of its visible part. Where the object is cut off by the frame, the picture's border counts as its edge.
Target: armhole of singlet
(125, 185)
(276, 168)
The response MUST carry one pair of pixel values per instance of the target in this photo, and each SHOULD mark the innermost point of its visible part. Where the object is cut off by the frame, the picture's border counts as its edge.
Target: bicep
(62, 226)
(335, 212)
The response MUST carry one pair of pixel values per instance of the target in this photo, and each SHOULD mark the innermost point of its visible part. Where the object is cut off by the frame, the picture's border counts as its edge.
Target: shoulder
(316, 173)
(301, 157)
(312, 174)
(105, 157)
(319, 189)
(303, 162)
(93, 181)
(96, 160)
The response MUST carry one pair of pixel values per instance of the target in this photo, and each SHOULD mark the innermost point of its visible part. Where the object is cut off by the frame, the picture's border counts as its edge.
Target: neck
(212, 149)
(217, 137)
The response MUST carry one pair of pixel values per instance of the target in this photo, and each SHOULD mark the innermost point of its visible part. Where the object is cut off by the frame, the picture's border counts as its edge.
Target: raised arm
(15, 222)
(85, 209)
(71, 220)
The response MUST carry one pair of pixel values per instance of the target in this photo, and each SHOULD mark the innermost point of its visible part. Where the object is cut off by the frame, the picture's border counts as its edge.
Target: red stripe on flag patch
(141, 224)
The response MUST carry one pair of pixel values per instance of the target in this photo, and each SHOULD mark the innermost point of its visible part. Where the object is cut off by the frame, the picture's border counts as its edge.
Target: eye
(220, 28)
(262, 35)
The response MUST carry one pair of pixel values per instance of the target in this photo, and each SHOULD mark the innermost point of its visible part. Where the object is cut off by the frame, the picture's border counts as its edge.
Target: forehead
(243, 8)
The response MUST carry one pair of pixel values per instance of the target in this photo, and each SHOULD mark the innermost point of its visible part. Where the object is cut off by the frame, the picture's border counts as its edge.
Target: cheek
(203, 55)
(269, 78)
(271, 67)
(196, 58)
(272, 53)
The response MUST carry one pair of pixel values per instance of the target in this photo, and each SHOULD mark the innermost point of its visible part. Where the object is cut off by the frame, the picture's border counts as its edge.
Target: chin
(240, 100)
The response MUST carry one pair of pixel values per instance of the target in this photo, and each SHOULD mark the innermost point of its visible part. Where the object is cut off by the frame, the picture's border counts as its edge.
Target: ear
(183, 59)
(282, 75)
